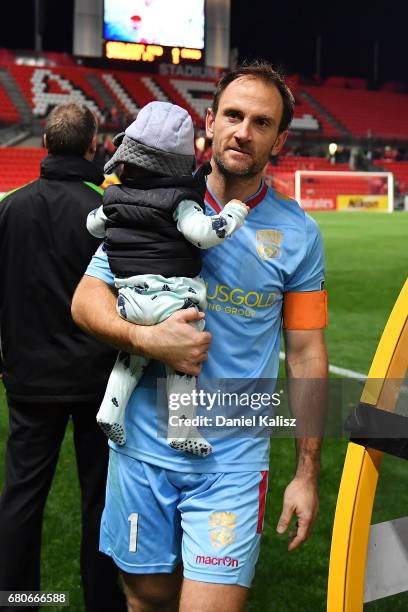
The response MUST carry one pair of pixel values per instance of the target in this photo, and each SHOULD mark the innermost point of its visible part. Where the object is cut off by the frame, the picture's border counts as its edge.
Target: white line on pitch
(336, 370)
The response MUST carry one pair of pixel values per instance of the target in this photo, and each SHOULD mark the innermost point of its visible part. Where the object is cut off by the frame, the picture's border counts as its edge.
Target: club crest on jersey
(221, 527)
(268, 243)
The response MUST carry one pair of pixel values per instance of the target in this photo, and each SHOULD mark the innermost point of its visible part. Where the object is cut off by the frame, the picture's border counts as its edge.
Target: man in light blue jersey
(185, 531)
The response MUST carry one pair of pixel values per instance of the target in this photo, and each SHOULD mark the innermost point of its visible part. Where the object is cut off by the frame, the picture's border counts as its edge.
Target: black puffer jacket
(141, 235)
(44, 251)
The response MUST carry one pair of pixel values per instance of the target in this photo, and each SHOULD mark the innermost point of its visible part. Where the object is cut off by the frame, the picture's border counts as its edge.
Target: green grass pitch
(367, 259)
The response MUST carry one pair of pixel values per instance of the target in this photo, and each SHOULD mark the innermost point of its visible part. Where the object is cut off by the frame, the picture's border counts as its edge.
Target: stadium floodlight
(343, 190)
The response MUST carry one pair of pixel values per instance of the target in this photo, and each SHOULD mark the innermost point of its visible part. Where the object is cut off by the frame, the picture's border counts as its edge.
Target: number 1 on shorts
(133, 519)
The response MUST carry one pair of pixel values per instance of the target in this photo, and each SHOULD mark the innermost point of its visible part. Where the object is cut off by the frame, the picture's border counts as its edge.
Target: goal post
(338, 190)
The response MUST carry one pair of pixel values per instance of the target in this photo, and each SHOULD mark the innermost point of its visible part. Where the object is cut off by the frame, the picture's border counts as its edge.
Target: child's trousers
(149, 299)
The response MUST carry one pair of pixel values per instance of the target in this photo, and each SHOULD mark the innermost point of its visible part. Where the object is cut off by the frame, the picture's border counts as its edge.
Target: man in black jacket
(51, 370)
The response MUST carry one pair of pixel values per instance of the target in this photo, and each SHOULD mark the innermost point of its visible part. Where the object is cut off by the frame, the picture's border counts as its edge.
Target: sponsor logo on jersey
(268, 243)
(239, 297)
(221, 528)
(226, 561)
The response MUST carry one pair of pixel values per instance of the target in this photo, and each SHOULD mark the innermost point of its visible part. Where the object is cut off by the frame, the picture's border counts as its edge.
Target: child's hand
(234, 201)
(238, 211)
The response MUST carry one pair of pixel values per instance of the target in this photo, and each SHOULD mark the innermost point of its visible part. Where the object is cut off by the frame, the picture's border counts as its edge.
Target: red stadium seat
(19, 166)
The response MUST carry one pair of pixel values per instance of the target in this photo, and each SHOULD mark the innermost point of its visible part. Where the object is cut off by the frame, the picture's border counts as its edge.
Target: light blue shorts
(156, 518)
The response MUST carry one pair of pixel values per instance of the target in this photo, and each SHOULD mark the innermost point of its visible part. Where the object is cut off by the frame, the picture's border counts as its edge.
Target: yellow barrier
(361, 470)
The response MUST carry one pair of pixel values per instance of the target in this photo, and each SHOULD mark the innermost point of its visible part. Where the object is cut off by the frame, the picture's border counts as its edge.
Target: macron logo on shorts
(226, 561)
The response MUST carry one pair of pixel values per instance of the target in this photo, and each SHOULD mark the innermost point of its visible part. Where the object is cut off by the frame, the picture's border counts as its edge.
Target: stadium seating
(130, 91)
(8, 112)
(361, 112)
(339, 107)
(398, 168)
(345, 82)
(134, 86)
(7, 57)
(123, 100)
(19, 166)
(43, 87)
(303, 107)
(291, 163)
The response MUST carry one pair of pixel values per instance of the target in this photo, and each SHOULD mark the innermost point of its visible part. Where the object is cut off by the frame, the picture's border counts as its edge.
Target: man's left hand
(301, 498)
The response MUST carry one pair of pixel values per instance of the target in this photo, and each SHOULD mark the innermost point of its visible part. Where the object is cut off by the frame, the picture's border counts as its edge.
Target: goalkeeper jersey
(278, 249)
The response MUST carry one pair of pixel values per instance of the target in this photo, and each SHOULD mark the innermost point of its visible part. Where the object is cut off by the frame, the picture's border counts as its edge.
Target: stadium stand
(362, 112)
(7, 57)
(19, 166)
(345, 82)
(299, 162)
(11, 135)
(398, 168)
(327, 126)
(135, 85)
(119, 93)
(339, 108)
(8, 112)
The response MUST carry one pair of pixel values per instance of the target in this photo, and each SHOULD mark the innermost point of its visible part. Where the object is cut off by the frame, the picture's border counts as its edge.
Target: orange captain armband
(305, 310)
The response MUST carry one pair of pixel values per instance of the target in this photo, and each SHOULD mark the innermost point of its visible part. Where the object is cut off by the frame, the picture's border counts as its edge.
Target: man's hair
(263, 71)
(69, 129)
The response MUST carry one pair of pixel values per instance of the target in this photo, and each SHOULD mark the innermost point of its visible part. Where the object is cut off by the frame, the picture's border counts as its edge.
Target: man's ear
(91, 150)
(45, 144)
(279, 142)
(93, 145)
(209, 123)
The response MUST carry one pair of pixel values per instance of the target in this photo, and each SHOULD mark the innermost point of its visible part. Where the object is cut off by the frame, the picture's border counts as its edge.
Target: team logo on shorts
(268, 243)
(221, 528)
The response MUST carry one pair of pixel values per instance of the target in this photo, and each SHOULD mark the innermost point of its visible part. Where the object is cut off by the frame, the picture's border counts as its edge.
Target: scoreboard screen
(167, 23)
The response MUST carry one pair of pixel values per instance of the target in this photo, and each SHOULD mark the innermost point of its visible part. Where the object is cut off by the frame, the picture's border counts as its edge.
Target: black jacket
(141, 235)
(44, 251)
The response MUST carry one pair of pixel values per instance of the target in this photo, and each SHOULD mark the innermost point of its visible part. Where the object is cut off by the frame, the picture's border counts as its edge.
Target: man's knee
(149, 599)
(152, 592)
(210, 597)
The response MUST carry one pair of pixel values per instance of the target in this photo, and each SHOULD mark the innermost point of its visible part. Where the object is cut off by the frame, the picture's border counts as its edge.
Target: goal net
(353, 191)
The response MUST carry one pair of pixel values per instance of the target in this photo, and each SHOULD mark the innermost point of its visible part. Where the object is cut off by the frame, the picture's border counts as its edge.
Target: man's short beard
(249, 171)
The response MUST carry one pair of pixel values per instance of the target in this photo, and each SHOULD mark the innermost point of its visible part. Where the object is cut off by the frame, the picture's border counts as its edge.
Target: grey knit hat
(161, 140)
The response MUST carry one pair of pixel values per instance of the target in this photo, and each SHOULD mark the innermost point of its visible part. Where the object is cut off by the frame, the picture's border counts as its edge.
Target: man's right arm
(173, 341)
